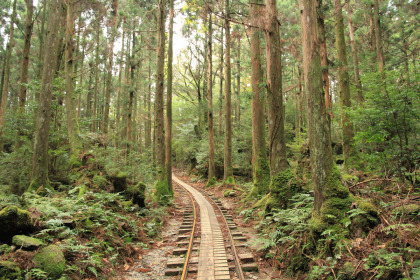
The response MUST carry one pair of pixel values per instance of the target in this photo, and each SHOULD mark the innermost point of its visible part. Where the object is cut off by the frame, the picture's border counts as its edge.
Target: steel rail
(190, 245)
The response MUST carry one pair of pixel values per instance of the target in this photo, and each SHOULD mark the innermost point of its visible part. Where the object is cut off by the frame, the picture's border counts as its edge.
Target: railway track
(207, 240)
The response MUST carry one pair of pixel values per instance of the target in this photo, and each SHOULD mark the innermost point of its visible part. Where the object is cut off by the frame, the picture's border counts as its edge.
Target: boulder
(408, 209)
(9, 270)
(136, 194)
(51, 260)
(119, 182)
(14, 221)
(26, 242)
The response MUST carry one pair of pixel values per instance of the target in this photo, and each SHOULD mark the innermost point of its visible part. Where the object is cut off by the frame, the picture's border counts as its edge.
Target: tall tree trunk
(168, 136)
(5, 88)
(238, 83)
(39, 176)
(228, 168)
(260, 167)
(349, 150)
(96, 86)
(378, 37)
(162, 188)
(24, 69)
(211, 174)
(131, 92)
(355, 60)
(113, 24)
(148, 126)
(222, 65)
(330, 194)
(41, 36)
(82, 64)
(89, 93)
(324, 58)
(72, 122)
(119, 91)
(277, 141)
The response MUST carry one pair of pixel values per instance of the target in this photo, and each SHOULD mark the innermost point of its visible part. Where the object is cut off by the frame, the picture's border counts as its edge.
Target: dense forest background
(309, 109)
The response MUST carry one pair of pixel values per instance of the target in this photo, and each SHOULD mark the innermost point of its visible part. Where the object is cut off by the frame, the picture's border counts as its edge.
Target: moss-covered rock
(366, 219)
(99, 181)
(119, 182)
(51, 260)
(26, 242)
(228, 193)
(14, 221)
(9, 271)
(408, 209)
(163, 193)
(136, 194)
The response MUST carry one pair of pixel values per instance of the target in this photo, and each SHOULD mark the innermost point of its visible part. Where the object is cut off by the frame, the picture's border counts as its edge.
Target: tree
(39, 176)
(113, 24)
(331, 197)
(6, 77)
(228, 168)
(162, 187)
(260, 167)
(277, 141)
(72, 121)
(349, 149)
(211, 173)
(168, 136)
(378, 37)
(355, 59)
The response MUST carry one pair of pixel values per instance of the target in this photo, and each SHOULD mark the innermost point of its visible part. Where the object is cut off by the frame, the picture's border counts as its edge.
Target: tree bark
(148, 126)
(378, 37)
(119, 91)
(24, 69)
(238, 84)
(5, 87)
(330, 195)
(211, 173)
(344, 83)
(113, 24)
(162, 189)
(324, 59)
(277, 141)
(96, 86)
(41, 36)
(260, 168)
(228, 168)
(222, 65)
(39, 176)
(355, 60)
(72, 122)
(168, 136)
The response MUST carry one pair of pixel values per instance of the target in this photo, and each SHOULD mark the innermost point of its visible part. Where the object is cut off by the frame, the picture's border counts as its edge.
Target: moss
(281, 190)
(82, 190)
(26, 242)
(137, 194)
(262, 202)
(211, 182)
(229, 181)
(229, 193)
(119, 181)
(336, 203)
(9, 271)
(51, 260)
(40, 189)
(14, 221)
(162, 192)
(408, 209)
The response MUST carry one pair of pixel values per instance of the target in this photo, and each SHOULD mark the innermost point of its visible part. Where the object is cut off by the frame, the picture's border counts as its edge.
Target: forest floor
(152, 263)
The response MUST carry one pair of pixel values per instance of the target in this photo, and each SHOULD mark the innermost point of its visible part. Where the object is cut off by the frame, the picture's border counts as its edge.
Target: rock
(119, 182)
(26, 242)
(51, 260)
(14, 221)
(229, 193)
(9, 270)
(136, 194)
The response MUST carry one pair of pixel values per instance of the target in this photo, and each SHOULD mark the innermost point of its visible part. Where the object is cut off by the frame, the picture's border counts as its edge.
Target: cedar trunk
(211, 173)
(39, 175)
(168, 136)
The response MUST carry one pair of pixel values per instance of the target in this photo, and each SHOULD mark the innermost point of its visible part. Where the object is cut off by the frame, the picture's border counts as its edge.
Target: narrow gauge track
(212, 259)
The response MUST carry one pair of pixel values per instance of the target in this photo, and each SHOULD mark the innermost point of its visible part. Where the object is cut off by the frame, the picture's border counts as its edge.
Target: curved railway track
(210, 240)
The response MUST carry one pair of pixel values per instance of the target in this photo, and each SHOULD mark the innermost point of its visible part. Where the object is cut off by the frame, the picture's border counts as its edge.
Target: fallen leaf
(143, 270)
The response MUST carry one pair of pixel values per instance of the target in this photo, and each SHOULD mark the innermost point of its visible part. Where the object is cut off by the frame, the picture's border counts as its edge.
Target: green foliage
(388, 123)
